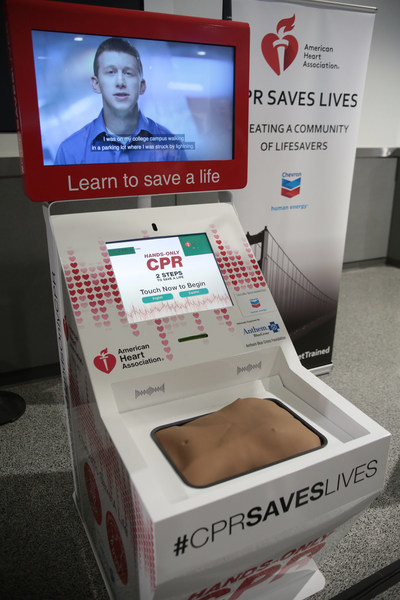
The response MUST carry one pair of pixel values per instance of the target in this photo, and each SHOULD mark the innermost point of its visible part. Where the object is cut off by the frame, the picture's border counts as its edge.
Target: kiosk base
(103, 574)
(296, 586)
(315, 583)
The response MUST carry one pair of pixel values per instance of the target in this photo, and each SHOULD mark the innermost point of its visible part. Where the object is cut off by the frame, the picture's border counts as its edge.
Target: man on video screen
(121, 132)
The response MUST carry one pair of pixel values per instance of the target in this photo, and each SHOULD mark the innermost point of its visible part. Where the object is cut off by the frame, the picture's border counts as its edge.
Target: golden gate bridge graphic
(302, 305)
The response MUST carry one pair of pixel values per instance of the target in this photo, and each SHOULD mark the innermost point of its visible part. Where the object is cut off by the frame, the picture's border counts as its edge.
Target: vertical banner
(307, 75)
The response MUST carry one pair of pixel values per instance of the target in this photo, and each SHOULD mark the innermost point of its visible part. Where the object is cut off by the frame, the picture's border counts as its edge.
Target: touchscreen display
(166, 276)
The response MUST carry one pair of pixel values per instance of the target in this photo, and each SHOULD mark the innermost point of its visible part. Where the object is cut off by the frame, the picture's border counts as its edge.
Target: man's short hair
(116, 44)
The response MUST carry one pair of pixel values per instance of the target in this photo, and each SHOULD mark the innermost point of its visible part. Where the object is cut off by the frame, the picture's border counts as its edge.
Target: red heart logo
(105, 361)
(280, 50)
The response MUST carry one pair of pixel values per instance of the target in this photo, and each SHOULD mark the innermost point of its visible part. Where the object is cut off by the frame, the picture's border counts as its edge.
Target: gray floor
(44, 552)
(367, 372)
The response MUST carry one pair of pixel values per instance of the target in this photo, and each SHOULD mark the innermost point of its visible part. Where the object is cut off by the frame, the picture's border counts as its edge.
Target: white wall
(380, 116)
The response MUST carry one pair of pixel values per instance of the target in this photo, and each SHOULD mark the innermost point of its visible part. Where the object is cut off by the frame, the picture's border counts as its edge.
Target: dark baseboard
(393, 262)
(23, 375)
(363, 264)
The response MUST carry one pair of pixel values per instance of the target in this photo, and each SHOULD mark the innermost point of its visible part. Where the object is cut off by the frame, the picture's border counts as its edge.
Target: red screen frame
(55, 182)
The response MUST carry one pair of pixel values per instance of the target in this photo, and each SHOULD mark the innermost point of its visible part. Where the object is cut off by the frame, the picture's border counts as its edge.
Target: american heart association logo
(279, 49)
(105, 361)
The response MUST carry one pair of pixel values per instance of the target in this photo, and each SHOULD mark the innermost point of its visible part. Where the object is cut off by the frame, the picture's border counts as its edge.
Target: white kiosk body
(163, 315)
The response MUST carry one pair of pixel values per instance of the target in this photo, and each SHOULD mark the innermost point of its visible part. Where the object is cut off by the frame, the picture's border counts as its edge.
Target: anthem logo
(280, 49)
(291, 183)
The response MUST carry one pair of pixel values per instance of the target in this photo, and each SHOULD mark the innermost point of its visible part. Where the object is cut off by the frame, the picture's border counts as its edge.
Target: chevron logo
(291, 183)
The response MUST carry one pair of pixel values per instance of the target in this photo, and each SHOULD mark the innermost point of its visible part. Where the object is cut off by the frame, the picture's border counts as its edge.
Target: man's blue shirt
(92, 144)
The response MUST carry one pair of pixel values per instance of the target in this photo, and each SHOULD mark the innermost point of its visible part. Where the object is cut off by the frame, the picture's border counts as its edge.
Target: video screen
(162, 101)
(166, 276)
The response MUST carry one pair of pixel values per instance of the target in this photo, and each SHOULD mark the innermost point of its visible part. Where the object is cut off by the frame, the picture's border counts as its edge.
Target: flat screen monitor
(167, 276)
(113, 102)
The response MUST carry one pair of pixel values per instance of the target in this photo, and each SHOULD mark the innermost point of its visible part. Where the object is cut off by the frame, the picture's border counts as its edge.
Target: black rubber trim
(373, 585)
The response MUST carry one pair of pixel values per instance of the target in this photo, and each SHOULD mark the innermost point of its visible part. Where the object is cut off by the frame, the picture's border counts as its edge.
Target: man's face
(118, 81)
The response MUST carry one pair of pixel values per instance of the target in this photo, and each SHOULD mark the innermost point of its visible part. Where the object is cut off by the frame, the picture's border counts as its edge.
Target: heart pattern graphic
(239, 271)
(94, 287)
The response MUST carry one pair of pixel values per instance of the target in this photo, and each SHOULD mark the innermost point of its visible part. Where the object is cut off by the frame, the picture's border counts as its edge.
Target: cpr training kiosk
(195, 339)
(163, 316)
